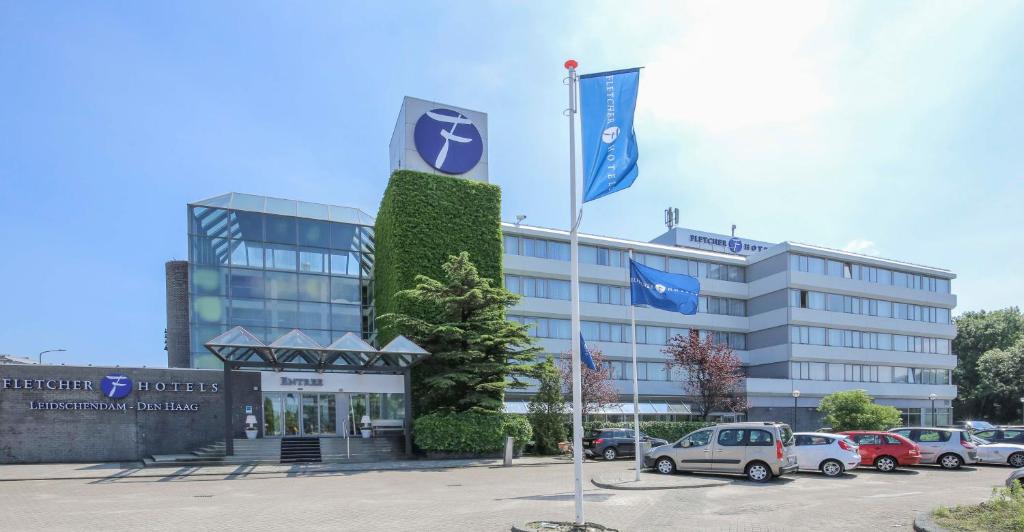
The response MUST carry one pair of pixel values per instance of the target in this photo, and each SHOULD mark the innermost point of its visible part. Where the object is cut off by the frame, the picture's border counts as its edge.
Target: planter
(366, 433)
(251, 433)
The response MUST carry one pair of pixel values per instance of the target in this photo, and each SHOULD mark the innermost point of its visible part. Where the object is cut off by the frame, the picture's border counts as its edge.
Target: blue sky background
(891, 128)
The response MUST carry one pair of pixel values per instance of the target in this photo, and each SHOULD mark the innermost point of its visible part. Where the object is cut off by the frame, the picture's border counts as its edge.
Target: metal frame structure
(239, 348)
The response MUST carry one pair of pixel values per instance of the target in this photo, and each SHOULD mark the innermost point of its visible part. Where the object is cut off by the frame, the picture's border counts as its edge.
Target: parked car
(759, 450)
(974, 425)
(885, 450)
(1016, 474)
(613, 443)
(950, 448)
(1002, 435)
(832, 454)
(999, 453)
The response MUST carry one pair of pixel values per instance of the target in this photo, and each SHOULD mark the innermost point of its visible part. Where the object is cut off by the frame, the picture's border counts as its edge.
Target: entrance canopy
(295, 350)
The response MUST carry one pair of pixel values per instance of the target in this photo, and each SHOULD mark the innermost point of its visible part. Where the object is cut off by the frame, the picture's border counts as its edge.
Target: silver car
(950, 448)
(760, 451)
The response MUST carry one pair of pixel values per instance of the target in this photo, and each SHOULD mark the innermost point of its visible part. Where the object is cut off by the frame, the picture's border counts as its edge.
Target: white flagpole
(636, 392)
(574, 284)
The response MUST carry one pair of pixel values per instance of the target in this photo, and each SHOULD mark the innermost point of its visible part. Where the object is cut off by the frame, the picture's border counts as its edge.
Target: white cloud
(862, 246)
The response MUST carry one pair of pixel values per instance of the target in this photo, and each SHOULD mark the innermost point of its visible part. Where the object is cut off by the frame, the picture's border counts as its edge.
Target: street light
(932, 397)
(796, 395)
(48, 351)
(1022, 408)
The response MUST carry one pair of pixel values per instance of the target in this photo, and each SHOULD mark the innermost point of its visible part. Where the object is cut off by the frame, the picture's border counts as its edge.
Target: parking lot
(483, 498)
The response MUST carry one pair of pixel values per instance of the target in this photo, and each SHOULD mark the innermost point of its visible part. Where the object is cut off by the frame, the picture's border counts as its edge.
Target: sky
(886, 128)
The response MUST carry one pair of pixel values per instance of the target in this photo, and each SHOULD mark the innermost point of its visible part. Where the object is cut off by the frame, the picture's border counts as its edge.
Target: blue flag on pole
(668, 291)
(607, 102)
(585, 357)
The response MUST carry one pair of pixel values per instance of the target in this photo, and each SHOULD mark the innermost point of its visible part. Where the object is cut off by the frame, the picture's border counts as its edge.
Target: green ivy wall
(424, 218)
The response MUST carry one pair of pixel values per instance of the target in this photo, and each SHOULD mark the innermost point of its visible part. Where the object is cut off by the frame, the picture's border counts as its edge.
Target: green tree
(547, 409)
(475, 353)
(856, 410)
(1001, 381)
(977, 333)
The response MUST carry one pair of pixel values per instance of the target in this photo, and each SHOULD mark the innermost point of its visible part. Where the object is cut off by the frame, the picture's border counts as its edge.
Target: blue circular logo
(116, 386)
(448, 141)
(735, 245)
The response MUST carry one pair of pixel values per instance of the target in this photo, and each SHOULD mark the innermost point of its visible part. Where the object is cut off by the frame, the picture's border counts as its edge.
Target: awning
(296, 350)
(646, 408)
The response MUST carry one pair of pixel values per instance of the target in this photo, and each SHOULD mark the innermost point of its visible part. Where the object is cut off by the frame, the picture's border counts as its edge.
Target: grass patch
(1003, 512)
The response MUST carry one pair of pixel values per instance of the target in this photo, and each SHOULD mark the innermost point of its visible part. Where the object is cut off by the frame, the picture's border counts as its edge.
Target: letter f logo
(116, 386)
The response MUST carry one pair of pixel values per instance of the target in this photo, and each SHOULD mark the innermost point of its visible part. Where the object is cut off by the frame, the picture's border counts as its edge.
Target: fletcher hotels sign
(112, 393)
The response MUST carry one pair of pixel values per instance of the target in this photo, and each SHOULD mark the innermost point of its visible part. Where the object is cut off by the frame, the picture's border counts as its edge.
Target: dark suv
(612, 443)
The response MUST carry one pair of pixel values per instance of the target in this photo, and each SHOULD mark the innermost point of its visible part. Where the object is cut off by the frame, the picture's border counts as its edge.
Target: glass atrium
(272, 265)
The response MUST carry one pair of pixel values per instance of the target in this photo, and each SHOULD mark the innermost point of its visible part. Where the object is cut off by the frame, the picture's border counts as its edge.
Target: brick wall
(124, 430)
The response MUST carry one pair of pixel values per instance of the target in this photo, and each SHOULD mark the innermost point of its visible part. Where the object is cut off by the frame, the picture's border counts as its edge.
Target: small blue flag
(585, 354)
(607, 103)
(668, 291)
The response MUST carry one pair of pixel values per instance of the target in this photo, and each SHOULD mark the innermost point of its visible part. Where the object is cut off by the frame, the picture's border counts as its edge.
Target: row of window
(244, 283)
(620, 332)
(248, 254)
(849, 270)
(867, 340)
(602, 256)
(869, 307)
(609, 294)
(821, 371)
(222, 224)
(275, 313)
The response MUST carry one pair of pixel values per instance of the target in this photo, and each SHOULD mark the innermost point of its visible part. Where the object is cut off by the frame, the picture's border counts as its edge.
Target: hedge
(470, 432)
(666, 430)
(422, 220)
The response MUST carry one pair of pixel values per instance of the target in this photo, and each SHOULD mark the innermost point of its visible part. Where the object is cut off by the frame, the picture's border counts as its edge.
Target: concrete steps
(268, 451)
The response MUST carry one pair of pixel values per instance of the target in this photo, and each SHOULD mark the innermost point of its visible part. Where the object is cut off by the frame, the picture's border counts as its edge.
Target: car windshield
(980, 441)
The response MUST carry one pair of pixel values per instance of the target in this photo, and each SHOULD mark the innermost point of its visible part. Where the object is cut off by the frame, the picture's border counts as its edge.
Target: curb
(170, 472)
(923, 522)
(609, 486)
(589, 526)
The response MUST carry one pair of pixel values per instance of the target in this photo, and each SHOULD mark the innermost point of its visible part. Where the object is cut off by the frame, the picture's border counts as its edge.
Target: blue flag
(607, 102)
(668, 291)
(585, 357)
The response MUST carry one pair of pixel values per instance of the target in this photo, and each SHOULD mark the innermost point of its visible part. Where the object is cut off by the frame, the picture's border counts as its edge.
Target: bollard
(510, 444)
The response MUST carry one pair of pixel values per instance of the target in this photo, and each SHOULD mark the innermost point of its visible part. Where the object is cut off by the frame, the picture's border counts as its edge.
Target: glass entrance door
(299, 414)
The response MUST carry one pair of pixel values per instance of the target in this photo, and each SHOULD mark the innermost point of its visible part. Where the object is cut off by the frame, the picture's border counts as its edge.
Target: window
(759, 438)
(932, 435)
(731, 437)
(891, 440)
(867, 439)
(802, 440)
(699, 438)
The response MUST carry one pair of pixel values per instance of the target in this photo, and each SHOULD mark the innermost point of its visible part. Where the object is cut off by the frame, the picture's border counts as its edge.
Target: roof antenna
(519, 219)
(733, 230)
(671, 217)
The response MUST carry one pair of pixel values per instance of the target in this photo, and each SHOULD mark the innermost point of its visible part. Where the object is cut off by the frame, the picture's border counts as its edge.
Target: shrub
(547, 409)
(470, 432)
(666, 430)
(855, 410)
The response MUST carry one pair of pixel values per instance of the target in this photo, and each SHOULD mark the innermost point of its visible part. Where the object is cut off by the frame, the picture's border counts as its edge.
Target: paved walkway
(22, 472)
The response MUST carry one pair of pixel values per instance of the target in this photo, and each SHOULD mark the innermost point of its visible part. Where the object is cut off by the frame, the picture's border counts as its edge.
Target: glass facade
(823, 371)
(281, 265)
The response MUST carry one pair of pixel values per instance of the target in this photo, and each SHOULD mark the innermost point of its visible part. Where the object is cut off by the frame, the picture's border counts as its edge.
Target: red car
(885, 450)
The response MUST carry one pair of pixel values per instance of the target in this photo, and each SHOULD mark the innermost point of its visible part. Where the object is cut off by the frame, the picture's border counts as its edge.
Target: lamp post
(934, 422)
(41, 353)
(1022, 408)
(796, 396)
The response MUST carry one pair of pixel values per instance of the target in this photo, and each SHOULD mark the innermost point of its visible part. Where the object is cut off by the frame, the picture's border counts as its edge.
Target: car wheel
(950, 461)
(885, 464)
(665, 466)
(1016, 460)
(832, 468)
(610, 453)
(759, 472)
